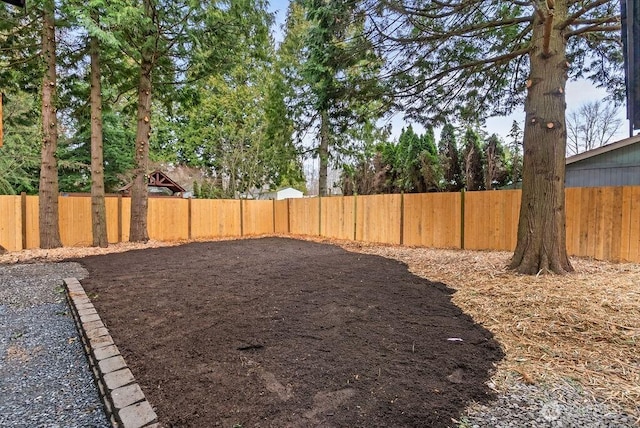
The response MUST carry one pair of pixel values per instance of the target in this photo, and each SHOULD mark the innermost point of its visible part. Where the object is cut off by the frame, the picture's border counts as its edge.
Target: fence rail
(602, 222)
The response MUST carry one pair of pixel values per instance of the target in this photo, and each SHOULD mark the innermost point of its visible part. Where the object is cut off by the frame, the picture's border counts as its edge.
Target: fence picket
(601, 222)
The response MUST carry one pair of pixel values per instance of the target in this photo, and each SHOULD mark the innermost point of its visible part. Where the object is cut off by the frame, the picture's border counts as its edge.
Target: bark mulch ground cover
(278, 332)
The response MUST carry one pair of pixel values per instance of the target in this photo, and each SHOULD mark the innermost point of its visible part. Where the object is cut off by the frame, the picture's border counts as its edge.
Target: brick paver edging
(124, 402)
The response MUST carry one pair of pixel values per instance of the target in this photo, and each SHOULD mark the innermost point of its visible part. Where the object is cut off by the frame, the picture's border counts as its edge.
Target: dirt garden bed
(278, 332)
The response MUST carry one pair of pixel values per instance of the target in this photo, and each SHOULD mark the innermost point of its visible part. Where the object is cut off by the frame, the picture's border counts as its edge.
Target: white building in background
(284, 193)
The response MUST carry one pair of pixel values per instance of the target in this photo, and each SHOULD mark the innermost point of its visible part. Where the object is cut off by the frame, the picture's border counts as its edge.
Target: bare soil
(278, 332)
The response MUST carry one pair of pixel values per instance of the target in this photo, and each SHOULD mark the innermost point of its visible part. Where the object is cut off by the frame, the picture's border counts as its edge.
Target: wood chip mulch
(582, 327)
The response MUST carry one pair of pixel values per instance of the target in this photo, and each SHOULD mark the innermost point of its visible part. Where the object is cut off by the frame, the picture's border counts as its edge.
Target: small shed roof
(159, 179)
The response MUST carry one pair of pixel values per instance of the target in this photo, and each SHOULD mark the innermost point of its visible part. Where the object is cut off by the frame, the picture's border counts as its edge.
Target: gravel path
(545, 406)
(44, 375)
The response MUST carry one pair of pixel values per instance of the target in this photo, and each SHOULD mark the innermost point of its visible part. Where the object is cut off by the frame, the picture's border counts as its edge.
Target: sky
(279, 8)
(577, 93)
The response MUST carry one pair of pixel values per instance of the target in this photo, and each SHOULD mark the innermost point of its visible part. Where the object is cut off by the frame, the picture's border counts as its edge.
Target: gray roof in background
(603, 149)
(616, 164)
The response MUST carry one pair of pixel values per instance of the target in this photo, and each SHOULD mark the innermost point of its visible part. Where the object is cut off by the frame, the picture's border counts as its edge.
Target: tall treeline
(461, 159)
(117, 93)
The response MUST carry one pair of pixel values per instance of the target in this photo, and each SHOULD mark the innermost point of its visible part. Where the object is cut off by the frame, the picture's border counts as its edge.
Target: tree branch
(542, 8)
(548, 27)
(584, 9)
(438, 76)
(469, 31)
(604, 20)
(593, 29)
(479, 27)
(405, 10)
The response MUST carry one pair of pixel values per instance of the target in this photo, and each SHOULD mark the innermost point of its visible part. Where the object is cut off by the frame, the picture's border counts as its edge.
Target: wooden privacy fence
(602, 222)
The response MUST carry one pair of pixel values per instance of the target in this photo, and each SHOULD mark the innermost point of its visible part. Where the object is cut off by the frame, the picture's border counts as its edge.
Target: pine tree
(475, 58)
(450, 159)
(496, 172)
(472, 161)
(430, 166)
(48, 188)
(340, 78)
(515, 154)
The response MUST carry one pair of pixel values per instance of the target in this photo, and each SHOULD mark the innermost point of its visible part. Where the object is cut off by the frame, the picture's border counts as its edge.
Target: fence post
(319, 215)
(120, 217)
(189, 217)
(273, 217)
(355, 216)
(462, 194)
(401, 218)
(241, 218)
(23, 214)
(288, 217)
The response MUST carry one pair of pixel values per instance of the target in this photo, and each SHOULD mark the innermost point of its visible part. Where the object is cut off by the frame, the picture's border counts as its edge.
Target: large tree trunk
(48, 189)
(541, 243)
(98, 209)
(323, 153)
(491, 165)
(139, 196)
(1, 131)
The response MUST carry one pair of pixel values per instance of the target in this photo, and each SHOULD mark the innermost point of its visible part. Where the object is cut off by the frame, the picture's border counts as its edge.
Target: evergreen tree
(98, 207)
(236, 126)
(48, 187)
(389, 167)
(472, 161)
(496, 171)
(481, 57)
(75, 152)
(515, 154)
(417, 158)
(407, 165)
(429, 163)
(19, 156)
(279, 129)
(25, 64)
(340, 83)
(170, 41)
(450, 159)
